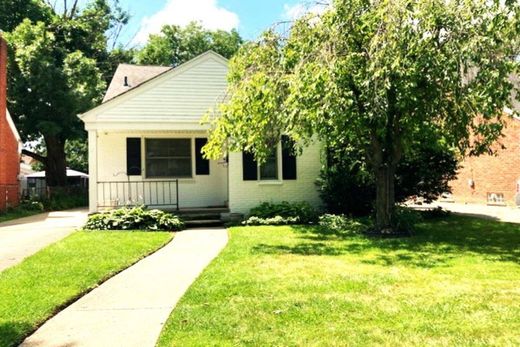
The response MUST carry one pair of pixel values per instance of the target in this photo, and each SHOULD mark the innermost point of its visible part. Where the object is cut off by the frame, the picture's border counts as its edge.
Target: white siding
(199, 191)
(188, 93)
(243, 195)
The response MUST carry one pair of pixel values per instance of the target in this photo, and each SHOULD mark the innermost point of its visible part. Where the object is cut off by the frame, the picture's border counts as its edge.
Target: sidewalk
(20, 238)
(131, 308)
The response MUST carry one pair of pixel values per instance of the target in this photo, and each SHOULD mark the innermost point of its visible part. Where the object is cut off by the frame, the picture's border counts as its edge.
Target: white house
(145, 143)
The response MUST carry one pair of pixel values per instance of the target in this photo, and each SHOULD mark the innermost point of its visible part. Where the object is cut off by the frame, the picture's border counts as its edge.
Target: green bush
(65, 198)
(31, 205)
(278, 220)
(302, 211)
(341, 224)
(136, 218)
(347, 184)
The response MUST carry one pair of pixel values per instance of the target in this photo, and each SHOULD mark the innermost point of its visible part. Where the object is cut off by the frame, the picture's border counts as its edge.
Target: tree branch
(35, 156)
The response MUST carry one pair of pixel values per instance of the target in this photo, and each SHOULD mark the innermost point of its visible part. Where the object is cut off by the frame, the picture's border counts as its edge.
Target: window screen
(168, 158)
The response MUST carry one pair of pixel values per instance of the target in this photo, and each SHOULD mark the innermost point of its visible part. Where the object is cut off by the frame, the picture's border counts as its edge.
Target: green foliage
(277, 220)
(347, 186)
(31, 205)
(64, 198)
(341, 224)
(76, 152)
(57, 67)
(135, 218)
(293, 212)
(176, 45)
(13, 12)
(379, 76)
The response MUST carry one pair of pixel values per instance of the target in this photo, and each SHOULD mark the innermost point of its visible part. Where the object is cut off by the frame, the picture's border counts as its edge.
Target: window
(495, 198)
(168, 158)
(269, 169)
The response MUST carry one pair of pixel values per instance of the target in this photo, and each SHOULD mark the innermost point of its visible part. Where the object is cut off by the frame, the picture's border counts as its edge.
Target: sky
(249, 17)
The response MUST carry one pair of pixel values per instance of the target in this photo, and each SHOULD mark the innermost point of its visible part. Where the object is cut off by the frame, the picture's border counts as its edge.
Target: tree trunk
(385, 198)
(56, 163)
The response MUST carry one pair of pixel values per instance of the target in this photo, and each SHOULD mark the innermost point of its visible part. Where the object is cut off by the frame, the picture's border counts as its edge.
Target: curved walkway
(20, 238)
(131, 308)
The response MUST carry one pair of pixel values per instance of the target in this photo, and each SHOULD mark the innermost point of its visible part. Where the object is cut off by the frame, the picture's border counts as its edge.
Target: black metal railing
(112, 194)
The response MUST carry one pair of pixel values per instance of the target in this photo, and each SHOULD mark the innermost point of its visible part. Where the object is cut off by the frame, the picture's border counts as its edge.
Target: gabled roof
(116, 99)
(135, 75)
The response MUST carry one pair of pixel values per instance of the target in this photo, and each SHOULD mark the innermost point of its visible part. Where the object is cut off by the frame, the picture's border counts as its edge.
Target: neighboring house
(26, 168)
(10, 143)
(145, 144)
(37, 183)
(492, 179)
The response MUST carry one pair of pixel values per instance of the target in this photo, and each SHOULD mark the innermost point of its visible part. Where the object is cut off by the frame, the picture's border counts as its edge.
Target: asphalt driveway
(23, 237)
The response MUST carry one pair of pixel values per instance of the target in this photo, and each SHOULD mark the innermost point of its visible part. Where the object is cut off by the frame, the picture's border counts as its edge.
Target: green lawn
(456, 283)
(41, 285)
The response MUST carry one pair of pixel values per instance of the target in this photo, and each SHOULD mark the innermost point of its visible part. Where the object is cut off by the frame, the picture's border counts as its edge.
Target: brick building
(489, 179)
(10, 144)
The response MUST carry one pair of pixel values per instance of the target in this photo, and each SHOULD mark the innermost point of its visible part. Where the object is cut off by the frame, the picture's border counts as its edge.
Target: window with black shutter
(288, 159)
(133, 156)
(249, 167)
(201, 164)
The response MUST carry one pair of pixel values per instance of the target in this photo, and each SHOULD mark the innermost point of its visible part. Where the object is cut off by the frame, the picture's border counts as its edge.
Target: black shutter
(133, 156)
(201, 164)
(288, 158)
(249, 167)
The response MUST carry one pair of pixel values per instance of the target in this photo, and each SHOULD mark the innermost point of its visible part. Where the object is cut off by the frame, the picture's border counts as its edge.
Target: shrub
(341, 224)
(347, 185)
(31, 205)
(136, 218)
(278, 220)
(298, 212)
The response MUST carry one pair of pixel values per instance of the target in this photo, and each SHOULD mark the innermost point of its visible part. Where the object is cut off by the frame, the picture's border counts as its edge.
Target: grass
(34, 290)
(16, 213)
(455, 283)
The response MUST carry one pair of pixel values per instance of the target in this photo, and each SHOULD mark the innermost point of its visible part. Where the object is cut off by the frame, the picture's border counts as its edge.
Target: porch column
(92, 171)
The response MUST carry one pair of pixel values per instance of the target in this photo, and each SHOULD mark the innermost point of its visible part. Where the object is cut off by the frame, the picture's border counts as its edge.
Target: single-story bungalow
(145, 143)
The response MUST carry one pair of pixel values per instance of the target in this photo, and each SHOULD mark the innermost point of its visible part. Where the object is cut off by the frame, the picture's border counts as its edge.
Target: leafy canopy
(175, 44)
(378, 75)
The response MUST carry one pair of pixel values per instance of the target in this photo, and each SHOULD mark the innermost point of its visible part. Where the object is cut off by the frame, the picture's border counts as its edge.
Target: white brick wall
(243, 195)
(199, 191)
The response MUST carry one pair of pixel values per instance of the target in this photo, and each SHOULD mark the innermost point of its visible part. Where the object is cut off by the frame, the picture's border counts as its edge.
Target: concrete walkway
(500, 213)
(131, 308)
(23, 237)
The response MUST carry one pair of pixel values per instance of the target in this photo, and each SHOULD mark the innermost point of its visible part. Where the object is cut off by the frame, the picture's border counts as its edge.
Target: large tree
(378, 75)
(56, 71)
(175, 44)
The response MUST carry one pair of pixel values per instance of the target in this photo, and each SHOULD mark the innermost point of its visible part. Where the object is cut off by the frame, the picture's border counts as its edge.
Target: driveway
(500, 213)
(23, 237)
